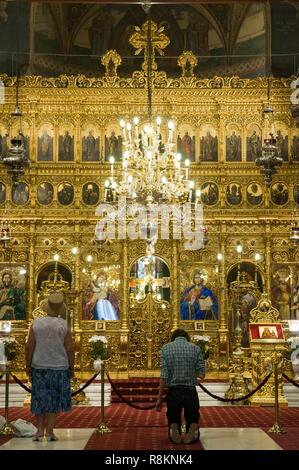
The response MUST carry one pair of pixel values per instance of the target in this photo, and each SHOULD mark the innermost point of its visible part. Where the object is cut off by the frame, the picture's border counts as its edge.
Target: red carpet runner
(146, 430)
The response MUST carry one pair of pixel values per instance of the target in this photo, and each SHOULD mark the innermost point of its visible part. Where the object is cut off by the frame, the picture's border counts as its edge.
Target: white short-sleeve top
(49, 352)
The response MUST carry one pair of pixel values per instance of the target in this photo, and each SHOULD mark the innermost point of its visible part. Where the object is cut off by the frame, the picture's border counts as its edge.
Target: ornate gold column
(126, 306)
(32, 238)
(268, 259)
(223, 328)
(175, 293)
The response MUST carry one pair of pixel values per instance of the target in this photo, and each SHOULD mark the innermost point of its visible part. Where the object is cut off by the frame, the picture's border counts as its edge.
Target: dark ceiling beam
(166, 2)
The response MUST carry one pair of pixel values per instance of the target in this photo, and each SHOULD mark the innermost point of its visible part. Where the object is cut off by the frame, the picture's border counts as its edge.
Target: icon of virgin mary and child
(198, 302)
(103, 303)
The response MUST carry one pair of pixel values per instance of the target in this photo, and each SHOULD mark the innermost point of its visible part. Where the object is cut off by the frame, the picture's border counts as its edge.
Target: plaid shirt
(181, 363)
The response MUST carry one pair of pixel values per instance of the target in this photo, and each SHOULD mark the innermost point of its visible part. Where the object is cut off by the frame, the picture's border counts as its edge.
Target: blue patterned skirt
(51, 391)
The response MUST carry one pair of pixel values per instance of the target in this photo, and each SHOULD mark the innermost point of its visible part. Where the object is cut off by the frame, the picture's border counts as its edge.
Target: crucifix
(158, 42)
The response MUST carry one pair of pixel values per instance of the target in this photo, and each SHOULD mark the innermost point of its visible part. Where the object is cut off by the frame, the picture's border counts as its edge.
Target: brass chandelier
(152, 170)
(270, 156)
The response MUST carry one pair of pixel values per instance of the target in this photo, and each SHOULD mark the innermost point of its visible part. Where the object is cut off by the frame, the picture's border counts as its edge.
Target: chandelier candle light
(152, 170)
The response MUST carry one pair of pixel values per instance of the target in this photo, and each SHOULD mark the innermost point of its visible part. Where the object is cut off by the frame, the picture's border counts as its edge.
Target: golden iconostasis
(71, 128)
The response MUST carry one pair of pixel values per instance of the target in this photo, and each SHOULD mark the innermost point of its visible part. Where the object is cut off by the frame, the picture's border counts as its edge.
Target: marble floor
(211, 439)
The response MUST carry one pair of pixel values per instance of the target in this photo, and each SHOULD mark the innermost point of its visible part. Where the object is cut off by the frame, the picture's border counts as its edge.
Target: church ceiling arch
(63, 37)
(57, 14)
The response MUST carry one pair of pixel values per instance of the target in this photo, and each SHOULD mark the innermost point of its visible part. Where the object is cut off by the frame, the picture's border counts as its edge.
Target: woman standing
(50, 363)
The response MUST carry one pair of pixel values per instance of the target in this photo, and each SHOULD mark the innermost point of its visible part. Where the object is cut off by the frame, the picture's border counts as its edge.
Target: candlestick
(129, 127)
(191, 186)
(111, 159)
(198, 195)
(130, 182)
(164, 182)
(106, 190)
(123, 127)
(56, 258)
(170, 131)
(136, 122)
(158, 121)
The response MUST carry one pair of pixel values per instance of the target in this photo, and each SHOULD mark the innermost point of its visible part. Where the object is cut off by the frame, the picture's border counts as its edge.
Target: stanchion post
(7, 429)
(276, 428)
(102, 428)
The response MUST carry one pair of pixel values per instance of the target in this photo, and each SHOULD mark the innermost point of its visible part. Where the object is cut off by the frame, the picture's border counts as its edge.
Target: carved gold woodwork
(149, 324)
(187, 61)
(264, 311)
(111, 60)
(265, 354)
(139, 40)
(38, 232)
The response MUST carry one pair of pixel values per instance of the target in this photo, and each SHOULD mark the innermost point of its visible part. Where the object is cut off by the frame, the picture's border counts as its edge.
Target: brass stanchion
(102, 427)
(7, 429)
(276, 428)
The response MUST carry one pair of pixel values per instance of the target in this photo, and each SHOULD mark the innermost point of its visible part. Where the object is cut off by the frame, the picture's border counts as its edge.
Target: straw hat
(54, 306)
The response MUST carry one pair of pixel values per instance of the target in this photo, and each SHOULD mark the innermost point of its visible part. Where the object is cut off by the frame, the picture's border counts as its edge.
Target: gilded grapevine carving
(280, 257)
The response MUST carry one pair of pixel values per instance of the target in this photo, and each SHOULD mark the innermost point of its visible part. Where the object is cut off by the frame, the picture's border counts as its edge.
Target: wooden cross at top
(159, 41)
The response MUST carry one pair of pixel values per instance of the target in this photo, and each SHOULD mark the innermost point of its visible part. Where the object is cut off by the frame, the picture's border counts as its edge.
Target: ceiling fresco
(231, 38)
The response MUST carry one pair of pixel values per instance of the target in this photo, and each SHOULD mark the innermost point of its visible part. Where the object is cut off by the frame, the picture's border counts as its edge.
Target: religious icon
(90, 147)
(295, 149)
(2, 193)
(209, 147)
(100, 33)
(45, 147)
(254, 194)
(26, 144)
(45, 193)
(66, 147)
(100, 301)
(90, 194)
(20, 193)
(5, 233)
(282, 145)
(3, 143)
(234, 194)
(281, 292)
(209, 193)
(268, 332)
(186, 146)
(233, 148)
(65, 194)
(253, 146)
(279, 194)
(23, 136)
(197, 34)
(113, 147)
(198, 302)
(12, 293)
